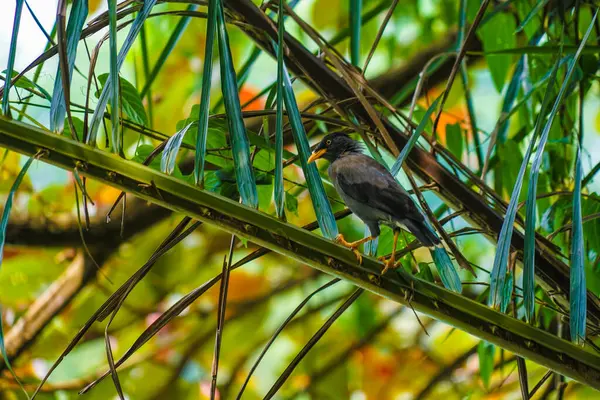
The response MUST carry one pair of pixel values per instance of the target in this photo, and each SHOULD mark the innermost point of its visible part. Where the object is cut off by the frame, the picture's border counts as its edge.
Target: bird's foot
(351, 245)
(387, 264)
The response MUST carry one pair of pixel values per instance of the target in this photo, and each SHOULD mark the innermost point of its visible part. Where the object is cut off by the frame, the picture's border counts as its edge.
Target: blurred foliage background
(377, 349)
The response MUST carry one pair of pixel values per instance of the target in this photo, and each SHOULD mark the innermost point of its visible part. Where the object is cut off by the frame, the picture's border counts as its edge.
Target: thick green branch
(306, 247)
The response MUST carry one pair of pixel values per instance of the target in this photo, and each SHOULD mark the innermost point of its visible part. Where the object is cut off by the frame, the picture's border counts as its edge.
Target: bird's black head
(333, 146)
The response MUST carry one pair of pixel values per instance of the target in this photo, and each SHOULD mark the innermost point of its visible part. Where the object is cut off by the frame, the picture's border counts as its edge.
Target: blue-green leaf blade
(448, 273)
(77, 17)
(578, 295)
(239, 141)
(11, 55)
(530, 210)
(318, 196)
(355, 26)
(205, 94)
(278, 184)
(114, 72)
(499, 268)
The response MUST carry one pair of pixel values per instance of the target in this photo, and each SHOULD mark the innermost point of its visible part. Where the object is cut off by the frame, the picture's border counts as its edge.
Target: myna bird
(371, 192)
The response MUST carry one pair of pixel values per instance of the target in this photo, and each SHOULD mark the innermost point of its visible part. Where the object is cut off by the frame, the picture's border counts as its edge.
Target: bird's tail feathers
(423, 233)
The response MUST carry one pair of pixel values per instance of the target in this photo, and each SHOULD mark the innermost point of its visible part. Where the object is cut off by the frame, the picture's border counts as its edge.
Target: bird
(372, 194)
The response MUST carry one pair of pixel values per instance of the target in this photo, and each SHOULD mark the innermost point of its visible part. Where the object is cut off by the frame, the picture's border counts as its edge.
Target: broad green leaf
(291, 203)
(425, 272)
(132, 102)
(454, 140)
(77, 17)
(26, 83)
(486, 352)
(498, 34)
(78, 124)
(237, 131)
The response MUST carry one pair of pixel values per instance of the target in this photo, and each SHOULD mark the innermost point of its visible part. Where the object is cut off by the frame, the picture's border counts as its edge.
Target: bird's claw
(358, 255)
(354, 247)
(387, 264)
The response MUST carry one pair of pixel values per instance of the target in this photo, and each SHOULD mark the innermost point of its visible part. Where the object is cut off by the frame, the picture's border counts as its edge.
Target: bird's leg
(353, 245)
(390, 263)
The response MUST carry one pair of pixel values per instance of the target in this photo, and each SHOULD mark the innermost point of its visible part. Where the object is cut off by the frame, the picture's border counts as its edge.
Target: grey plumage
(370, 190)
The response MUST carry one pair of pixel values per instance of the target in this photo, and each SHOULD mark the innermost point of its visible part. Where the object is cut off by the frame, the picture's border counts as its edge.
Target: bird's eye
(328, 142)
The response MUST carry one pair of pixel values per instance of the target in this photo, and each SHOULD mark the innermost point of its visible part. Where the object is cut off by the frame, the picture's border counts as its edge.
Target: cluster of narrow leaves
(499, 296)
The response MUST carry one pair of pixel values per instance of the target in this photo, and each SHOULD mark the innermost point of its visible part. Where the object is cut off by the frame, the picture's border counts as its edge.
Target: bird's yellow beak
(316, 155)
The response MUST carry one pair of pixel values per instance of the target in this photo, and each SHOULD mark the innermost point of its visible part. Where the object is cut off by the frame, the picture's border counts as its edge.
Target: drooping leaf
(26, 83)
(77, 17)
(529, 251)
(425, 272)
(498, 34)
(278, 184)
(499, 268)
(205, 95)
(237, 131)
(114, 82)
(486, 351)
(135, 29)
(11, 55)
(578, 292)
(78, 127)
(355, 26)
(448, 273)
(291, 203)
(318, 196)
(3, 225)
(132, 104)
(169, 156)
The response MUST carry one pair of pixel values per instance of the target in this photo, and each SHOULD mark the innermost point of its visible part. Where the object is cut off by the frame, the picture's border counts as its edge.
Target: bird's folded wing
(367, 181)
